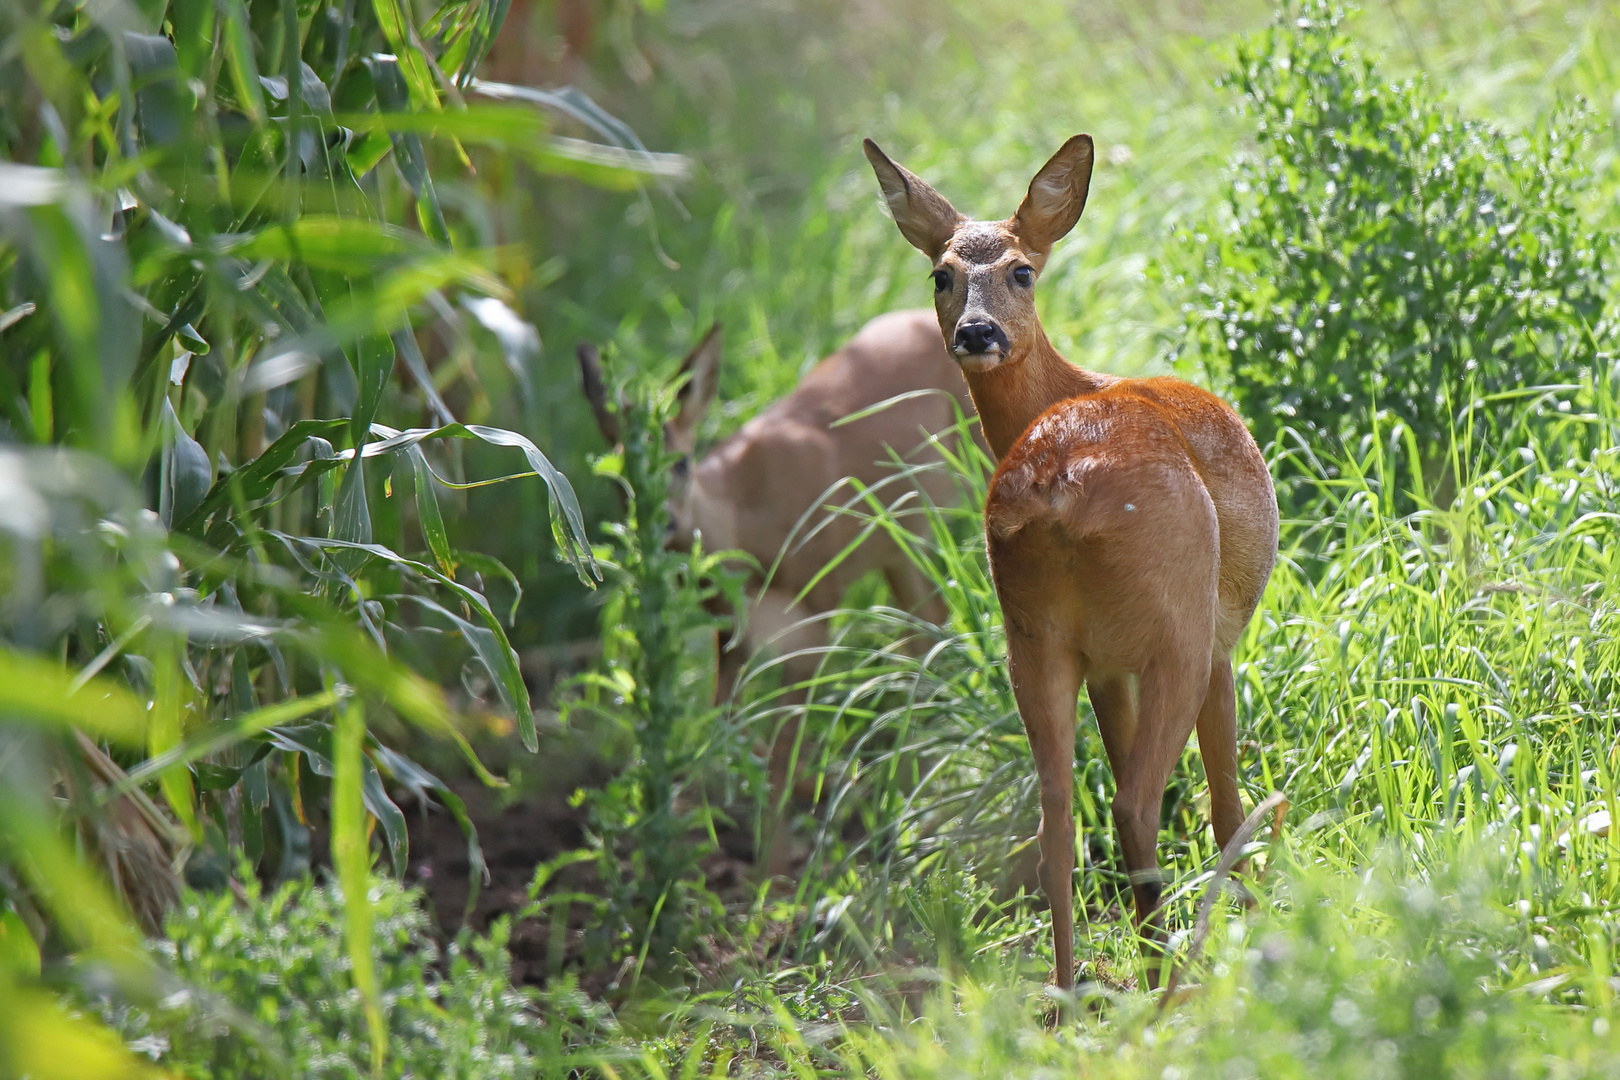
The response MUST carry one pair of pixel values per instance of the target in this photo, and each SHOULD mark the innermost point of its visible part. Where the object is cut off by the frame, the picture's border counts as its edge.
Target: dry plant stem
(1277, 804)
(109, 773)
(143, 851)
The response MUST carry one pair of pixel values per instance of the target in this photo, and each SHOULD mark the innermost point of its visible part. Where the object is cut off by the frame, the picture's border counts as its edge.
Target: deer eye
(1023, 275)
(942, 280)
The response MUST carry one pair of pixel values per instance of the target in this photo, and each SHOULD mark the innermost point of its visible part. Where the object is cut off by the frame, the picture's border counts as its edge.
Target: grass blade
(33, 690)
(351, 851)
(427, 513)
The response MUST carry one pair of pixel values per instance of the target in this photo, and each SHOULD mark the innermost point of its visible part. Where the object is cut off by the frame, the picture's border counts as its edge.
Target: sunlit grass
(1431, 690)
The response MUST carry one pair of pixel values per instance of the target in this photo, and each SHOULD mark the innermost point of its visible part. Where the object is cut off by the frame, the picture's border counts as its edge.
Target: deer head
(985, 271)
(699, 377)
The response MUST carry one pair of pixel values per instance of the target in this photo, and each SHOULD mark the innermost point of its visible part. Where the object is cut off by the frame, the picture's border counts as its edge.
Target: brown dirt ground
(515, 839)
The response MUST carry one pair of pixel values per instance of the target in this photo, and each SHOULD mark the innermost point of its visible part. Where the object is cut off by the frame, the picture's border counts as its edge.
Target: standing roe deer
(1131, 526)
(755, 491)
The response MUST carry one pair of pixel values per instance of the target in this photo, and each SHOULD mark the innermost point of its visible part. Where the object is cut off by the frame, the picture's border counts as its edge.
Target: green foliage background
(271, 314)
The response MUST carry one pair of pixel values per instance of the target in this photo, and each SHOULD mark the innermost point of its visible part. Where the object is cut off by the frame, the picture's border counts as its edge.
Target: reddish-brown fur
(1131, 524)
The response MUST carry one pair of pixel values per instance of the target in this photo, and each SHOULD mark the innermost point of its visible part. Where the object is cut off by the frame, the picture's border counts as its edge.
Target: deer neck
(1011, 395)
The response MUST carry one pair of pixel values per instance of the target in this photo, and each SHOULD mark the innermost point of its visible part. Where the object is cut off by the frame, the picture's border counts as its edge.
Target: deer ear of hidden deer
(1131, 527)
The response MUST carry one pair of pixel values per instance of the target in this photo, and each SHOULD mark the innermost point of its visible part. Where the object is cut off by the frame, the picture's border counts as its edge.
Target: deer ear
(702, 368)
(926, 218)
(590, 376)
(1056, 196)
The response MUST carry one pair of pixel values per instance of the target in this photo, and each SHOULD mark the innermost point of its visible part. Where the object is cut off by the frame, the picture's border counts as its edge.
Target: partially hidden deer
(1131, 527)
(762, 490)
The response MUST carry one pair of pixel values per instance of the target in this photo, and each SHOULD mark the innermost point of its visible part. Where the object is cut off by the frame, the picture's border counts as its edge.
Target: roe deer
(751, 492)
(1131, 527)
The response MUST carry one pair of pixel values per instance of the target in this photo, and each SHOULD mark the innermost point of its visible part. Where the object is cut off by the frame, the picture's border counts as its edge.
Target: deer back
(753, 491)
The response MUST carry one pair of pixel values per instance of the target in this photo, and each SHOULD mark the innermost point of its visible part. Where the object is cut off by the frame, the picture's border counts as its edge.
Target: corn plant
(220, 235)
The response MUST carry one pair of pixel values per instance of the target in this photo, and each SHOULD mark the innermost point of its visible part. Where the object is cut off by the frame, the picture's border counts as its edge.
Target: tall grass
(1431, 689)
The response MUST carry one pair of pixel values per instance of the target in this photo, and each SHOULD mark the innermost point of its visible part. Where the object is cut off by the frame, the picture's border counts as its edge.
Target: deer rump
(1090, 489)
(1099, 481)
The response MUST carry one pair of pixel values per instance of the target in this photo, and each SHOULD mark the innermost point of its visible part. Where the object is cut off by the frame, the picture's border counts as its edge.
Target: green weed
(652, 823)
(1384, 252)
(261, 987)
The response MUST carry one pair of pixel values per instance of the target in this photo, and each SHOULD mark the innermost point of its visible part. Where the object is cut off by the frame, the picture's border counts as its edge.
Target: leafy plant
(652, 822)
(1385, 254)
(266, 990)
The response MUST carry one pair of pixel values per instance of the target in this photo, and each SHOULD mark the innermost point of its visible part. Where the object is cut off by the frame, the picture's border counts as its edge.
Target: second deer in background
(763, 490)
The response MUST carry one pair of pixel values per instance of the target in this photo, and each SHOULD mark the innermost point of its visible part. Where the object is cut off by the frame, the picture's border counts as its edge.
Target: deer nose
(979, 337)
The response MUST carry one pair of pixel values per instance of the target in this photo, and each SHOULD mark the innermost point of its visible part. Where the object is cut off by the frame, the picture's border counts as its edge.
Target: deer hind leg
(1217, 745)
(1170, 691)
(1046, 677)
